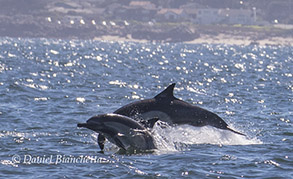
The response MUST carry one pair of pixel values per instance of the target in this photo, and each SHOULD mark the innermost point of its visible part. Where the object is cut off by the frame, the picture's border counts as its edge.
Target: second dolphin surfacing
(122, 131)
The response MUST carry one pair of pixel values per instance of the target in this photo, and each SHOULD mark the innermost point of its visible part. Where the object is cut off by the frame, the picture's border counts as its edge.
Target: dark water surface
(48, 86)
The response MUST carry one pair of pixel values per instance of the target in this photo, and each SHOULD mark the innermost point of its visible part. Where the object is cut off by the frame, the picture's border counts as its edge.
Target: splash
(178, 138)
(169, 139)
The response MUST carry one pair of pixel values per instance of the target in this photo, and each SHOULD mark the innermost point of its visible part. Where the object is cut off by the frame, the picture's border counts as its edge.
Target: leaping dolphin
(170, 109)
(123, 131)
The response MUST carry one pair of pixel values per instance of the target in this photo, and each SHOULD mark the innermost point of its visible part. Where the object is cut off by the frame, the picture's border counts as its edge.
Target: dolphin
(122, 131)
(172, 110)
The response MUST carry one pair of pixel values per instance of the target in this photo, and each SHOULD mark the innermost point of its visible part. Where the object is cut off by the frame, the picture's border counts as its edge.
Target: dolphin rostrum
(170, 109)
(123, 131)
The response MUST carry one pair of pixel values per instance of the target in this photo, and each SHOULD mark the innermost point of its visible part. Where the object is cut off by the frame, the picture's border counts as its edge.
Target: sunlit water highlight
(48, 86)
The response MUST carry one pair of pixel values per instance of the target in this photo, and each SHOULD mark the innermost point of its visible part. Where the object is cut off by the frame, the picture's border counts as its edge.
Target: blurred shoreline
(210, 39)
(161, 33)
(145, 21)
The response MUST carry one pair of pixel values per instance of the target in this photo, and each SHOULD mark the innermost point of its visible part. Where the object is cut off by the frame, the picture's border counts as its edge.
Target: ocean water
(48, 86)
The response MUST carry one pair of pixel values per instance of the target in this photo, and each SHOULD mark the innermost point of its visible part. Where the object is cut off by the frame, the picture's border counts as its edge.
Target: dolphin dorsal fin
(167, 93)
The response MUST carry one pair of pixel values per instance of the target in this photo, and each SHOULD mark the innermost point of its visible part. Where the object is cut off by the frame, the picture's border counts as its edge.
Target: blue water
(48, 86)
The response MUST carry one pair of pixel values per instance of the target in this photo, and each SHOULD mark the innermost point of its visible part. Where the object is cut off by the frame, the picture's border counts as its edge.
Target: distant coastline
(222, 35)
(187, 23)
(206, 39)
(176, 32)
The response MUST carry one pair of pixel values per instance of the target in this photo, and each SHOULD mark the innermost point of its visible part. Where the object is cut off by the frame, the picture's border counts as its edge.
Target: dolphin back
(172, 110)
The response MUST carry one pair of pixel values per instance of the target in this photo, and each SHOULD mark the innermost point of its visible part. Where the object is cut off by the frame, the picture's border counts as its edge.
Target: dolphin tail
(235, 131)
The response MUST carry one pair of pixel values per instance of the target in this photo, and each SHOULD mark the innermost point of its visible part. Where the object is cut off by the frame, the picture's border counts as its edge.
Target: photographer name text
(57, 159)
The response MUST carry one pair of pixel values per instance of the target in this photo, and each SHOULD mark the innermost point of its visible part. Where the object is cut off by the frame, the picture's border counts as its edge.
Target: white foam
(178, 138)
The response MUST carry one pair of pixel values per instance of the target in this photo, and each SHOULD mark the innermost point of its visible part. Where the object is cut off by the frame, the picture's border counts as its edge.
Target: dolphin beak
(82, 125)
(90, 125)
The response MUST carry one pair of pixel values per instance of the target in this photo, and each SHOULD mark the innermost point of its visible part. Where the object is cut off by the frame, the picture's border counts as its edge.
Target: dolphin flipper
(101, 141)
(149, 123)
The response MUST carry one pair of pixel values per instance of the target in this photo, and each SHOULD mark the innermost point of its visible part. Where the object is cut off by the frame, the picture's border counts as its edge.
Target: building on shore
(172, 15)
(224, 16)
